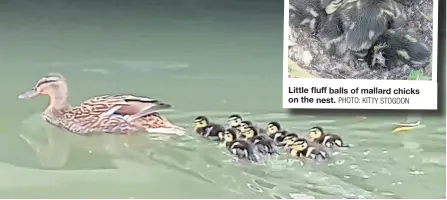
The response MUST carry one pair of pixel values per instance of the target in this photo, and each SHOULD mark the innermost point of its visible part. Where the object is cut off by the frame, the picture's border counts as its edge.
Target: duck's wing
(132, 107)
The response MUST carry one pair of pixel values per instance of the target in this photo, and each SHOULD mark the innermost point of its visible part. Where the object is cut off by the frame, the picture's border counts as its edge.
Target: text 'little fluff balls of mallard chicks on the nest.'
(369, 30)
(247, 141)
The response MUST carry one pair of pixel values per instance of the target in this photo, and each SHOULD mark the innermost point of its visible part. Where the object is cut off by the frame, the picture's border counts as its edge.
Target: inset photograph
(362, 39)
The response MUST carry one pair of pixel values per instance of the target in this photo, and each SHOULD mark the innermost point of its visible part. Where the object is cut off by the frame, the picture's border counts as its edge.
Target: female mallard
(116, 114)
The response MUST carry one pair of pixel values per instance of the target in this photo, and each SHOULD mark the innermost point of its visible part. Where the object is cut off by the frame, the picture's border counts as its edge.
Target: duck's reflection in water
(54, 147)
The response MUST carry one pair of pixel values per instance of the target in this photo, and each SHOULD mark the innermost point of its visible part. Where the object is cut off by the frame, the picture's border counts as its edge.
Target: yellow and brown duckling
(274, 128)
(207, 129)
(317, 135)
(275, 132)
(234, 121)
(246, 123)
(289, 139)
(241, 148)
(263, 143)
(302, 148)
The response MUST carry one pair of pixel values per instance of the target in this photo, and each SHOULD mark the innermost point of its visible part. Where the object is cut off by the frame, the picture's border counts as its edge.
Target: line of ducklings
(247, 141)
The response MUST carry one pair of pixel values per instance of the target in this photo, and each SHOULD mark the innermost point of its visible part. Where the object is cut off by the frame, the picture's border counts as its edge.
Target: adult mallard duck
(115, 114)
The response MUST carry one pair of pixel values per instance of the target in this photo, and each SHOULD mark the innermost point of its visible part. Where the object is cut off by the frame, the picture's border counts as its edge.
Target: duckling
(327, 139)
(398, 46)
(365, 20)
(234, 121)
(305, 14)
(208, 129)
(246, 123)
(275, 132)
(273, 128)
(289, 139)
(241, 148)
(278, 137)
(331, 34)
(302, 148)
(263, 143)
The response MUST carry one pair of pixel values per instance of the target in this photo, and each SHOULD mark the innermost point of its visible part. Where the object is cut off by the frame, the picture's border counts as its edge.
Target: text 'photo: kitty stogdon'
(360, 54)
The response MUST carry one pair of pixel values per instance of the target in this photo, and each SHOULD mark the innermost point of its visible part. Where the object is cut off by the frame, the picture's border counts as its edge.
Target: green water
(206, 58)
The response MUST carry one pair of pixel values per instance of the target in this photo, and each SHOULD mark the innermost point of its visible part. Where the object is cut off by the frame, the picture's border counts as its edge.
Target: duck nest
(309, 53)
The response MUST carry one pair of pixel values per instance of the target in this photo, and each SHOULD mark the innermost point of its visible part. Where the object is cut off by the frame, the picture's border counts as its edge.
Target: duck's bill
(28, 94)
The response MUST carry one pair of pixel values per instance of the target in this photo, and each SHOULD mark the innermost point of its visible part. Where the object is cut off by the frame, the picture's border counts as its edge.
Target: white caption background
(425, 100)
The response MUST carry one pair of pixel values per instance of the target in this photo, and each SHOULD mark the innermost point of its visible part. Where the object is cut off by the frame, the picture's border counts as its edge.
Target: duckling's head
(249, 132)
(200, 122)
(289, 139)
(279, 136)
(229, 135)
(299, 144)
(273, 127)
(315, 133)
(244, 125)
(52, 85)
(234, 121)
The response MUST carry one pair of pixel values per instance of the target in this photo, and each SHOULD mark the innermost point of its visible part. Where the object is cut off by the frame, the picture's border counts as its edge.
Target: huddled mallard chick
(234, 121)
(273, 128)
(365, 20)
(398, 45)
(241, 148)
(246, 123)
(305, 14)
(263, 143)
(275, 132)
(289, 139)
(208, 129)
(331, 34)
(317, 135)
(302, 148)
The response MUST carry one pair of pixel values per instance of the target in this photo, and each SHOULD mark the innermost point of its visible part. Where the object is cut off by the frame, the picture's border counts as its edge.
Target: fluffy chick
(305, 14)
(395, 46)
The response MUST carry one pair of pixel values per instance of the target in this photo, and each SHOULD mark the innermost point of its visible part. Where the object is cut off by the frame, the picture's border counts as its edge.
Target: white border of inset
(426, 100)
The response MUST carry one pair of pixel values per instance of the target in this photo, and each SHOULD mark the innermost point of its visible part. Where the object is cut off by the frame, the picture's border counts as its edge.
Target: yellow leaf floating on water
(406, 126)
(402, 128)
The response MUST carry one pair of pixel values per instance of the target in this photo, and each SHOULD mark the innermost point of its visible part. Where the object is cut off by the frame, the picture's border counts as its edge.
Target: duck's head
(234, 121)
(299, 145)
(249, 132)
(315, 133)
(53, 85)
(273, 128)
(200, 122)
(289, 139)
(229, 135)
(244, 125)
